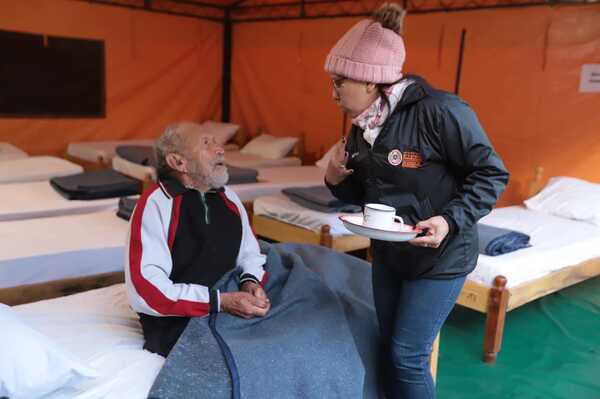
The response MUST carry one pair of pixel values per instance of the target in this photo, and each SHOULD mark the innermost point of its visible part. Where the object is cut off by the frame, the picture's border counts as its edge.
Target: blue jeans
(410, 313)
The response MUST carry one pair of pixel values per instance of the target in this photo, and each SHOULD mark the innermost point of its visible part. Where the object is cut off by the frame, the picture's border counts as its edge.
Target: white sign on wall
(590, 78)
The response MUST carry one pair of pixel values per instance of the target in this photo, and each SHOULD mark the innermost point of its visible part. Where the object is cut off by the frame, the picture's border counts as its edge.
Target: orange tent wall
(521, 72)
(159, 68)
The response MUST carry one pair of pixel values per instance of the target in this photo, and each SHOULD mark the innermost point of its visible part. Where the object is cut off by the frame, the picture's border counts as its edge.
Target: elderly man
(186, 232)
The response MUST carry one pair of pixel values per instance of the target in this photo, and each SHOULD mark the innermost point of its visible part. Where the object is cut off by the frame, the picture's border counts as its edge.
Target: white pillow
(270, 147)
(31, 365)
(323, 162)
(222, 131)
(569, 198)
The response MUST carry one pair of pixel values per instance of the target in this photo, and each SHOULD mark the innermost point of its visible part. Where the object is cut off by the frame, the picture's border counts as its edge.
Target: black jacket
(431, 157)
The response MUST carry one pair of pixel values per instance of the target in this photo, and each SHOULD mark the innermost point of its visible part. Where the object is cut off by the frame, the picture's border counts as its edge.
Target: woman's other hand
(336, 169)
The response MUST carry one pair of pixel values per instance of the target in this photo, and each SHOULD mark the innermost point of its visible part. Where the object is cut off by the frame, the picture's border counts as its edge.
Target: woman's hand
(336, 169)
(437, 229)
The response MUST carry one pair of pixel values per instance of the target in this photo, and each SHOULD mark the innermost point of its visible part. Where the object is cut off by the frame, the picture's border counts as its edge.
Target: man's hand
(254, 289)
(244, 304)
(437, 229)
(336, 169)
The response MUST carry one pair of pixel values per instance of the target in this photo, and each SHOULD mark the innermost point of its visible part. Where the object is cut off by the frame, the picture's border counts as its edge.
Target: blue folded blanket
(319, 198)
(319, 340)
(494, 241)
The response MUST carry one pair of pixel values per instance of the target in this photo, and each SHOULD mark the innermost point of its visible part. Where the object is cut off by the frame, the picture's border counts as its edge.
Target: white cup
(380, 216)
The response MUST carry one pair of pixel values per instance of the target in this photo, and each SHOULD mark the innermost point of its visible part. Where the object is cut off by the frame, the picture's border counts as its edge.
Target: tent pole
(461, 53)
(227, 54)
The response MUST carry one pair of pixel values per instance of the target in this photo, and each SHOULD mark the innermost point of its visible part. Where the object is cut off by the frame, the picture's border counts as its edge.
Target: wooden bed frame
(497, 300)
(100, 163)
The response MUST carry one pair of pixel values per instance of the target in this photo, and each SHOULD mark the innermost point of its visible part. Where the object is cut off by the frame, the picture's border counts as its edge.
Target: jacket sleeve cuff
(215, 301)
(248, 277)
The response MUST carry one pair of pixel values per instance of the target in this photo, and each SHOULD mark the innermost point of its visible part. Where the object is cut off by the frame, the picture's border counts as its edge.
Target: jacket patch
(395, 157)
(412, 160)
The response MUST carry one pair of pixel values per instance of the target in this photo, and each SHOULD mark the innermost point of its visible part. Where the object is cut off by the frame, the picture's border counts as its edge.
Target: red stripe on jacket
(151, 294)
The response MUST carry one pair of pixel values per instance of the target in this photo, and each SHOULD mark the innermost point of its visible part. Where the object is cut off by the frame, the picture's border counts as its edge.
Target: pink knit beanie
(368, 52)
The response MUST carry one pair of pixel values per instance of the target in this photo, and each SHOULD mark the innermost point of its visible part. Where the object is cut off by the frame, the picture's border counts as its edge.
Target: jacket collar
(415, 92)
(172, 187)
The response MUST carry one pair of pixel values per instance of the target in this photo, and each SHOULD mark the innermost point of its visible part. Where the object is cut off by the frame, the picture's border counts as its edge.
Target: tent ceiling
(257, 10)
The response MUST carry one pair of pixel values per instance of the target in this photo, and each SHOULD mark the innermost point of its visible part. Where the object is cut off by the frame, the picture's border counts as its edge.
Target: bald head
(186, 151)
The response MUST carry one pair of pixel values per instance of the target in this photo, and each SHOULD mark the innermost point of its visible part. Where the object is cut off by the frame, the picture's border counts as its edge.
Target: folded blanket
(139, 154)
(126, 207)
(319, 340)
(495, 241)
(241, 175)
(319, 198)
(95, 184)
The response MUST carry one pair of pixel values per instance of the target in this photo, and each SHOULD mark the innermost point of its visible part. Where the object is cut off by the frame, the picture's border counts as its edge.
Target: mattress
(38, 199)
(236, 158)
(102, 317)
(281, 208)
(93, 151)
(61, 247)
(9, 151)
(38, 168)
(272, 180)
(556, 243)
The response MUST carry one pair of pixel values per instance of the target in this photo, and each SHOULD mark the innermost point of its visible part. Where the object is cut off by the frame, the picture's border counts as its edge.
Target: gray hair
(167, 143)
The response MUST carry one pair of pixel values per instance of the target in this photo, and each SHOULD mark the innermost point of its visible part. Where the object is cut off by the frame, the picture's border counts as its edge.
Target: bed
(563, 252)
(38, 199)
(278, 218)
(9, 151)
(99, 328)
(48, 257)
(102, 317)
(36, 168)
(98, 154)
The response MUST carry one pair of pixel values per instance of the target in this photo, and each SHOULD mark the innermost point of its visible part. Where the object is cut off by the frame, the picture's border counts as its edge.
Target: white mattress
(99, 328)
(272, 180)
(61, 247)
(281, 208)
(236, 158)
(95, 150)
(556, 243)
(9, 151)
(38, 168)
(38, 199)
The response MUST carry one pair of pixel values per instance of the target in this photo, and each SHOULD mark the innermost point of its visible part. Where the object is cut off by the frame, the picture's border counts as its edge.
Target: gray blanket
(241, 175)
(95, 184)
(319, 198)
(139, 154)
(319, 339)
(494, 241)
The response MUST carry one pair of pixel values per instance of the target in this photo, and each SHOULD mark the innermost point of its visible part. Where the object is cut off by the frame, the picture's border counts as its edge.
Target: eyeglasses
(338, 83)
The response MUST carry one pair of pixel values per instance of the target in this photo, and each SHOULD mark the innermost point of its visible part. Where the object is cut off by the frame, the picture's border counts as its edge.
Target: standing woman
(423, 152)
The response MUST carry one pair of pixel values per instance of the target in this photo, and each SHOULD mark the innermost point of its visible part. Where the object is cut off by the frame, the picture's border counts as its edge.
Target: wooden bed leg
(326, 238)
(433, 357)
(494, 324)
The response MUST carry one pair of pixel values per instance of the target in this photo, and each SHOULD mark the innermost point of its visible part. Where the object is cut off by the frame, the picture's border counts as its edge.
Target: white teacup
(380, 216)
